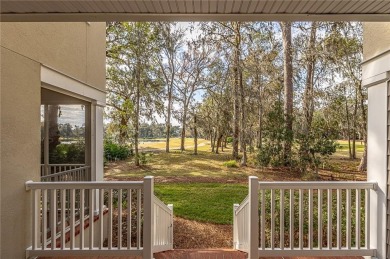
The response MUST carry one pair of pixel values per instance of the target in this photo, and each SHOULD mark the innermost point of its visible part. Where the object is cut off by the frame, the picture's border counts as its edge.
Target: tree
(133, 86)
(171, 41)
(288, 89)
(195, 61)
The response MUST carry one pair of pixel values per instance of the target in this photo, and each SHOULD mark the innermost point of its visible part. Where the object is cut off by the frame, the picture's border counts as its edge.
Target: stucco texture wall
(376, 38)
(20, 148)
(75, 49)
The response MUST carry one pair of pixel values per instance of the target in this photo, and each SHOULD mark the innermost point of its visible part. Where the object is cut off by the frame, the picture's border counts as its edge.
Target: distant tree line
(284, 90)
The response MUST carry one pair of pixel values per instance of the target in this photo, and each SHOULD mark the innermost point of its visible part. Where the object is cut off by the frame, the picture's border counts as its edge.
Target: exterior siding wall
(376, 73)
(388, 176)
(76, 50)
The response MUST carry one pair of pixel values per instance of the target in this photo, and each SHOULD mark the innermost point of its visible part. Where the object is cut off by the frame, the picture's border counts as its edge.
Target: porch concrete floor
(202, 254)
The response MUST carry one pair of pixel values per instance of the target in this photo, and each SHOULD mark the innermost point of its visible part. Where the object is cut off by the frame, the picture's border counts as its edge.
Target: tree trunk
(168, 122)
(348, 126)
(243, 122)
(308, 102)
(219, 144)
(260, 116)
(136, 123)
(288, 90)
(363, 162)
(183, 129)
(54, 133)
(354, 128)
(195, 136)
(236, 103)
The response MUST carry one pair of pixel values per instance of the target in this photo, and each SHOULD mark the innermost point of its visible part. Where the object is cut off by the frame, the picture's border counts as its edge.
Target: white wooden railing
(163, 226)
(65, 172)
(304, 219)
(118, 220)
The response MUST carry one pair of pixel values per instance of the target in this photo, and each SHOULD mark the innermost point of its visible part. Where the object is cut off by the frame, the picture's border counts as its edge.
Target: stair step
(200, 254)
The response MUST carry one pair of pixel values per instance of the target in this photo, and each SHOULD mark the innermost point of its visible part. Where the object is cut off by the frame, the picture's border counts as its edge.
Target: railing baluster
(358, 218)
(91, 218)
(319, 218)
(330, 231)
(263, 219)
(301, 219)
(82, 216)
(44, 219)
(272, 219)
(348, 209)
(72, 218)
(367, 221)
(110, 218)
(138, 219)
(282, 219)
(101, 221)
(36, 198)
(128, 218)
(63, 218)
(292, 198)
(310, 232)
(339, 204)
(53, 218)
(119, 218)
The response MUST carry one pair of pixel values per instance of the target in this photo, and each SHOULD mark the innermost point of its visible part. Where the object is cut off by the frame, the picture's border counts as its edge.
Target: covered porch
(72, 212)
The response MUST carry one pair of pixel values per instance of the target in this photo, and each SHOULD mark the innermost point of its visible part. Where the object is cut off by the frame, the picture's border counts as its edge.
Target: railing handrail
(62, 164)
(317, 185)
(30, 185)
(65, 172)
(242, 204)
(161, 204)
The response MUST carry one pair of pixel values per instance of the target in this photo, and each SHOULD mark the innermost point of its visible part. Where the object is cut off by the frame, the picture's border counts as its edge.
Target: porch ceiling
(152, 10)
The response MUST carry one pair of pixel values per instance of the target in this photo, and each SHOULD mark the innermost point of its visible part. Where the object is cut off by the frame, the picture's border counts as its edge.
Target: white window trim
(59, 82)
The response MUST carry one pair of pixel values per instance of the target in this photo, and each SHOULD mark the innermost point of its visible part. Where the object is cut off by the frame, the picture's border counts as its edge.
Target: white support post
(377, 167)
(253, 252)
(148, 227)
(95, 149)
(235, 226)
(170, 206)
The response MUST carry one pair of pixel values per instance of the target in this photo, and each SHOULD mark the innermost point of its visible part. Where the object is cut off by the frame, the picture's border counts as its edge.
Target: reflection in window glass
(66, 133)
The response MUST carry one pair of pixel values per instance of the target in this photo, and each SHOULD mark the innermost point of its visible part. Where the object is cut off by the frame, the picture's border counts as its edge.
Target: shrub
(73, 153)
(230, 163)
(143, 158)
(114, 151)
(229, 140)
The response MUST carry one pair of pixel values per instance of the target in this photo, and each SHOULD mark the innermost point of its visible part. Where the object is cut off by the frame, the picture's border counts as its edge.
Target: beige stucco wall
(75, 49)
(376, 37)
(20, 148)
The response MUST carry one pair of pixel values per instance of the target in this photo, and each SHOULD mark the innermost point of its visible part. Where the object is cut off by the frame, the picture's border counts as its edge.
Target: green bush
(114, 151)
(229, 140)
(143, 158)
(73, 153)
(230, 163)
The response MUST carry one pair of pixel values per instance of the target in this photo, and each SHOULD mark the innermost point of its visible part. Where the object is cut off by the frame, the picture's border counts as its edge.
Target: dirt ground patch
(189, 234)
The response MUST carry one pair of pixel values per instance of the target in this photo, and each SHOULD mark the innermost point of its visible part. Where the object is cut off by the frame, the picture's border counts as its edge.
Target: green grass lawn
(202, 188)
(204, 202)
(174, 143)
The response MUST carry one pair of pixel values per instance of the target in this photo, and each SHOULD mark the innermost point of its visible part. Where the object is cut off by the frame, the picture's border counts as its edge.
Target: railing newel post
(148, 226)
(253, 252)
(170, 206)
(235, 226)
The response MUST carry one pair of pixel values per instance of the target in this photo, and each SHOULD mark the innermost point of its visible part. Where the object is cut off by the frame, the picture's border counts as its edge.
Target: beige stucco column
(20, 148)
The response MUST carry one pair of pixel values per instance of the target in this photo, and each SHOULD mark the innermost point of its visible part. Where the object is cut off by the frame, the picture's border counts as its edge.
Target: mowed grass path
(204, 202)
(201, 188)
